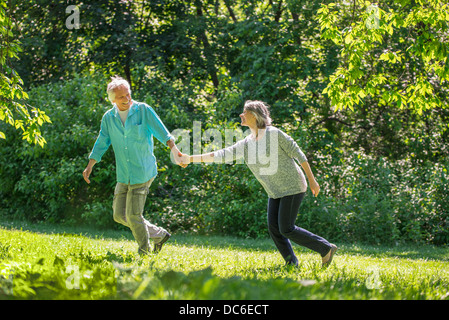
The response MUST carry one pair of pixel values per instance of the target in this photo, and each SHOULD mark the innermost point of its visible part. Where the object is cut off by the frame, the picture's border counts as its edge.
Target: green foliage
(392, 69)
(363, 199)
(390, 54)
(49, 187)
(13, 109)
(379, 201)
(382, 166)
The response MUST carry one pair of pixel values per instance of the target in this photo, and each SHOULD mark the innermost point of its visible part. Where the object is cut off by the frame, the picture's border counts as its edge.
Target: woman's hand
(315, 187)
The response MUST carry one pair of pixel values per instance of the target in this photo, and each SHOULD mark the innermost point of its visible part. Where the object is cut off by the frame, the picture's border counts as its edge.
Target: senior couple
(130, 126)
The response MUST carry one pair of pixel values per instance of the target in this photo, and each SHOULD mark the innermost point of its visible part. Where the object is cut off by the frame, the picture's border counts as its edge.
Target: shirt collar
(132, 109)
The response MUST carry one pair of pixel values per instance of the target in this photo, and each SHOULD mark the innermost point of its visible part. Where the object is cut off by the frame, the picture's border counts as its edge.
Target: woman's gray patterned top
(271, 159)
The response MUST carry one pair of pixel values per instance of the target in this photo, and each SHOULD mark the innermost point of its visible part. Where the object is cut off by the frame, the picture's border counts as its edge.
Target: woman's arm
(207, 157)
(232, 153)
(292, 149)
(314, 186)
(198, 158)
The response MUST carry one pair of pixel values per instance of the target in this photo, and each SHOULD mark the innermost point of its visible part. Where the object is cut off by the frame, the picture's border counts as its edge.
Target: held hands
(179, 158)
(183, 160)
(176, 156)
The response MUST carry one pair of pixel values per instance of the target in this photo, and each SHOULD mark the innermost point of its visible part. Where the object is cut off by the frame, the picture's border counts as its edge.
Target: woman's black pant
(282, 213)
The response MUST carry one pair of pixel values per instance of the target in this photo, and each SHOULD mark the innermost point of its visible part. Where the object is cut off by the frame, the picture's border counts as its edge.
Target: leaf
(390, 29)
(348, 38)
(362, 94)
(58, 262)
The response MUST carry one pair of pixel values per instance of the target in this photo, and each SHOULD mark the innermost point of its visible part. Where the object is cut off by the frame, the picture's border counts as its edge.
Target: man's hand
(88, 170)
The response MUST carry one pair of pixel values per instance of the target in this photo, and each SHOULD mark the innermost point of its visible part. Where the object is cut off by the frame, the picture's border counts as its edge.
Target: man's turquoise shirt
(132, 142)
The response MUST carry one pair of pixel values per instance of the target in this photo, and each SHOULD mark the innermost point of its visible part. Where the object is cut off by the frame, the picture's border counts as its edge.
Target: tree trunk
(210, 60)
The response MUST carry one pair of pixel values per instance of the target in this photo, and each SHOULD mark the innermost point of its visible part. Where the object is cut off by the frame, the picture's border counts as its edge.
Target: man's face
(122, 98)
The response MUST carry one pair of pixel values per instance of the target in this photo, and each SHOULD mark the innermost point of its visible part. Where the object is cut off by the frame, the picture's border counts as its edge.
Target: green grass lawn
(48, 262)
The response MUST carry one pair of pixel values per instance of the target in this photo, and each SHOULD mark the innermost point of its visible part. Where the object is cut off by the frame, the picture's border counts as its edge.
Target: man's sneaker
(158, 246)
(327, 259)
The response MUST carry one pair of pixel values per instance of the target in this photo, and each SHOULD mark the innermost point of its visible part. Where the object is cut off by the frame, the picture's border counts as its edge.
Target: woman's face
(248, 119)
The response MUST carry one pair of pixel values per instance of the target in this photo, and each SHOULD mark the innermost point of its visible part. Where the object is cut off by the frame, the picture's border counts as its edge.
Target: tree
(395, 53)
(13, 109)
(392, 73)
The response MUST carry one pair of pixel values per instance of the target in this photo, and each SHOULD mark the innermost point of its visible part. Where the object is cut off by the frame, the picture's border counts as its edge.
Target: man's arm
(207, 157)
(101, 145)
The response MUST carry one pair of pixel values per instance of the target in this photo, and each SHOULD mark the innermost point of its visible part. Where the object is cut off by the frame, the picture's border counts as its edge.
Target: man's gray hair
(115, 83)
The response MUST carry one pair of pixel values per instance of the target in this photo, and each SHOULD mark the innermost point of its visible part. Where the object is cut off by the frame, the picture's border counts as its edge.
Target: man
(130, 126)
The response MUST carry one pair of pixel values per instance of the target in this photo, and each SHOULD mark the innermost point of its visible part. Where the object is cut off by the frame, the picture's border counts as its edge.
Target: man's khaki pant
(128, 205)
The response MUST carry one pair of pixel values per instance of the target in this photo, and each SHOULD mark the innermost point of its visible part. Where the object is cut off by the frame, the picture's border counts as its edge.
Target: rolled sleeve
(156, 126)
(102, 143)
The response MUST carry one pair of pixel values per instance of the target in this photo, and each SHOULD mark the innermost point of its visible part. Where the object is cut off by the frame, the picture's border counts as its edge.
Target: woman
(270, 154)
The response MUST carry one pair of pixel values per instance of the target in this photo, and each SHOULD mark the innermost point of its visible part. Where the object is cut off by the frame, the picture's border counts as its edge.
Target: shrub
(46, 183)
(363, 198)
